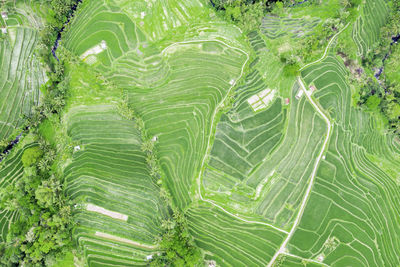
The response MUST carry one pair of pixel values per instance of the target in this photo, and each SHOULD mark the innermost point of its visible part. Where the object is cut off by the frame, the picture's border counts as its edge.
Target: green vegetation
(373, 102)
(247, 14)
(176, 244)
(192, 132)
(31, 156)
(291, 66)
(56, 15)
(392, 64)
(42, 231)
(381, 59)
(47, 129)
(10, 171)
(39, 223)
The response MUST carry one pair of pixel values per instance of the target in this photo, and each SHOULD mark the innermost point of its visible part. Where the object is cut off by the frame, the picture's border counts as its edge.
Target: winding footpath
(326, 49)
(282, 249)
(208, 148)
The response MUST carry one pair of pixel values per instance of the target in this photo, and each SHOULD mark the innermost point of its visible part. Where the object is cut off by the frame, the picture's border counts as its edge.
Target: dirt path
(282, 249)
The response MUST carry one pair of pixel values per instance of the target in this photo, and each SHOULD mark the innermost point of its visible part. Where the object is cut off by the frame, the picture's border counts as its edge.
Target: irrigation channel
(299, 3)
(57, 41)
(14, 142)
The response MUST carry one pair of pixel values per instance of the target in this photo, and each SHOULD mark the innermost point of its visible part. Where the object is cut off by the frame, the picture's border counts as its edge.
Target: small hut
(287, 101)
(299, 94)
(312, 88)
(4, 15)
(3, 30)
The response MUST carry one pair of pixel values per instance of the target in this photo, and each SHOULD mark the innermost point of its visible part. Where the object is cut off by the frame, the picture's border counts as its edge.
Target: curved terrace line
(216, 110)
(311, 182)
(326, 49)
(282, 249)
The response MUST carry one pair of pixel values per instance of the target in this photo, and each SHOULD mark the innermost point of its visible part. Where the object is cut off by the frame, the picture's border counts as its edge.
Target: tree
(178, 248)
(373, 102)
(31, 156)
(291, 65)
(393, 111)
(147, 146)
(42, 232)
(246, 14)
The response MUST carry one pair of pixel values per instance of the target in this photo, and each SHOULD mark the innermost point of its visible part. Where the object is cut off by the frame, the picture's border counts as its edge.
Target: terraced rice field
(232, 242)
(20, 77)
(366, 29)
(257, 42)
(350, 217)
(267, 171)
(269, 175)
(174, 108)
(120, 203)
(174, 15)
(275, 27)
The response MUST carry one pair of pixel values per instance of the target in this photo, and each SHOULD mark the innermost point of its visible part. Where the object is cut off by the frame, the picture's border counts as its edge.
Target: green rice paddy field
(269, 170)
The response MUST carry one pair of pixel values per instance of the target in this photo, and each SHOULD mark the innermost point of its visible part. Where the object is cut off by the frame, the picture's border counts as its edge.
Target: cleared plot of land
(229, 241)
(123, 240)
(101, 210)
(20, 78)
(367, 27)
(95, 50)
(262, 100)
(110, 174)
(351, 217)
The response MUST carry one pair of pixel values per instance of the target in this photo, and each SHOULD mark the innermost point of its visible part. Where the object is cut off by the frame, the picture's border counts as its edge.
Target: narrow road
(314, 172)
(311, 182)
(216, 110)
